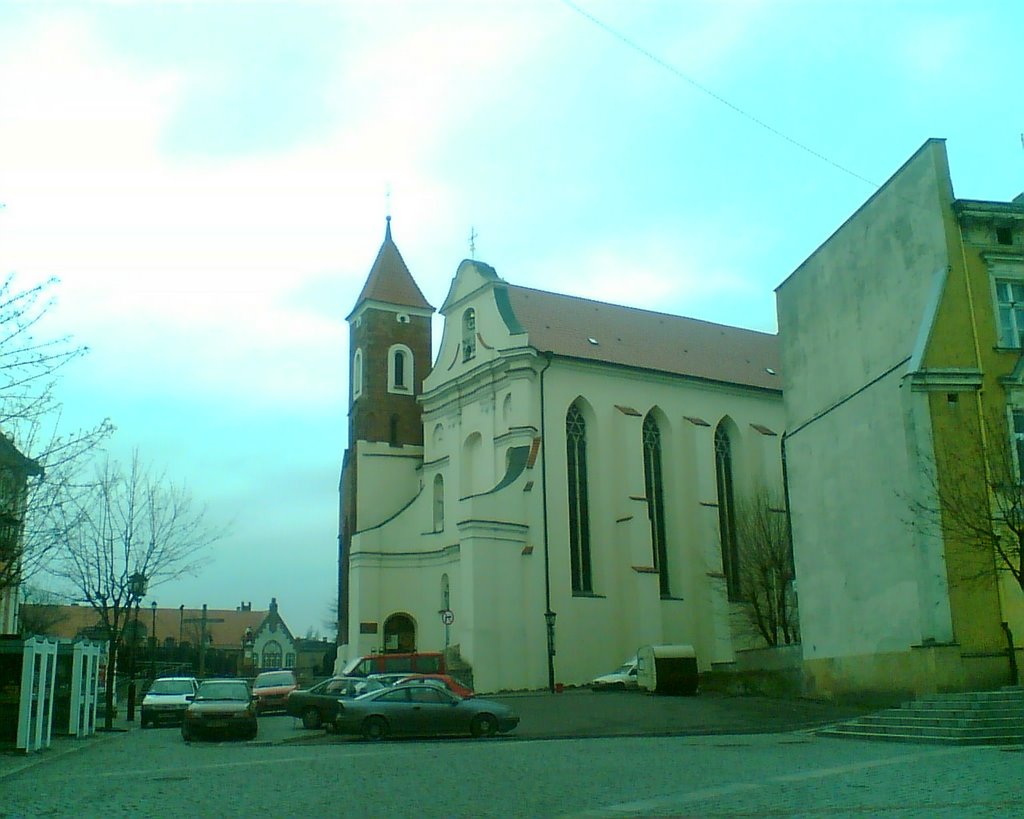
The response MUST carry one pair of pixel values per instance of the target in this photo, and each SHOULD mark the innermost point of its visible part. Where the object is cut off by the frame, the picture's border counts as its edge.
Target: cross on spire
(472, 242)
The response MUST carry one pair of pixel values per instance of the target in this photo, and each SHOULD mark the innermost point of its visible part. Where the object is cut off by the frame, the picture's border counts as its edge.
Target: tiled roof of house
(390, 280)
(597, 331)
(225, 627)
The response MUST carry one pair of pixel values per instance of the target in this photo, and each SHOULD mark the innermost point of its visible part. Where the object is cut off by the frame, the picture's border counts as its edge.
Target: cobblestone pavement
(154, 774)
(291, 772)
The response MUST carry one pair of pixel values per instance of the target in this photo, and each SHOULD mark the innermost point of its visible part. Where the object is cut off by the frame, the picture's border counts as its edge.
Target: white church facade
(557, 488)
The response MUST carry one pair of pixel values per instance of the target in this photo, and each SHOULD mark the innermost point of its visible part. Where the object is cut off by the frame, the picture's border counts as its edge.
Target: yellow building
(904, 391)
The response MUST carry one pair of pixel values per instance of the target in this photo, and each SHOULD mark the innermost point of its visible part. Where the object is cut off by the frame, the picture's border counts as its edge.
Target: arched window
(357, 374)
(399, 365)
(400, 369)
(271, 655)
(727, 512)
(579, 515)
(438, 503)
(655, 498)
(468, 334)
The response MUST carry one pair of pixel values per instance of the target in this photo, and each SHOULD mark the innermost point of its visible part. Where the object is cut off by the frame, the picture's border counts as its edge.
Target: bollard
(131, 701)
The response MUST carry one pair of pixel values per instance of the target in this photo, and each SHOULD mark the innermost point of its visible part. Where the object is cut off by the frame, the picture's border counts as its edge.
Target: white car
(167, 699)
(622, 678)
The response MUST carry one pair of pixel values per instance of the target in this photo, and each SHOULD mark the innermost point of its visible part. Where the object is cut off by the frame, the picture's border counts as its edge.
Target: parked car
(421, 709)
(443, 680)
(271, 689)
(318, 705)
(167, 699)
(622, 678)
(221, 708)
(426, 662)
(389, 679)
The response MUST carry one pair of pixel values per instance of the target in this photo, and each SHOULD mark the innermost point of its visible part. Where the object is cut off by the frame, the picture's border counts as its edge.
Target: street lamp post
(549, 621)
(152, 643)
(136, 589)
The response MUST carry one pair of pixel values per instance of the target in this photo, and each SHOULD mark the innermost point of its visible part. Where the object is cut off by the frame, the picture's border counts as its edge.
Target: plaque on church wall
(367, 628)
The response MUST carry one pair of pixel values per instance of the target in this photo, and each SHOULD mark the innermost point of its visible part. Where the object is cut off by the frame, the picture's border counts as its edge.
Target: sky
(209, 182)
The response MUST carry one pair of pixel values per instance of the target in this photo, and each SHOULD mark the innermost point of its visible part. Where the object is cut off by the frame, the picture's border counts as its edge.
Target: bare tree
(132, 530)
(31, 423)
(977, 501)
(766, 567)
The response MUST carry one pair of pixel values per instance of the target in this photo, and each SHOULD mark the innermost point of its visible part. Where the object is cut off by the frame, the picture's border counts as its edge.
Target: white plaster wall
(388, 479)
(848, 315)
(594, 633)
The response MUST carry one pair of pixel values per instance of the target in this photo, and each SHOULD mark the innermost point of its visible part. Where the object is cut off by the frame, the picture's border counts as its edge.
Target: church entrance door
(399, 634)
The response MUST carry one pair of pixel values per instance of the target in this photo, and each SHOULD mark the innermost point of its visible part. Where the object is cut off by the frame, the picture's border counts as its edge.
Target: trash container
(668, 669)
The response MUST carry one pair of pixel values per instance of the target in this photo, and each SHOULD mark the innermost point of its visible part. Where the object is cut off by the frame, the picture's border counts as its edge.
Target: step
(932, 721)
(979, 708)
(1017, 739)
(1014, 696)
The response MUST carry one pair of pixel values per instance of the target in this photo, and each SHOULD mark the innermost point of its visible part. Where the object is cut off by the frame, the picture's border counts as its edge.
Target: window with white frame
(1010, 306)
(357, 374)
(400, 369)
(1017, 427)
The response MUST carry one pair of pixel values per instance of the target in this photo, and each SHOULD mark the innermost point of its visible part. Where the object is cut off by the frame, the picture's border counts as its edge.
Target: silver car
(421, 710)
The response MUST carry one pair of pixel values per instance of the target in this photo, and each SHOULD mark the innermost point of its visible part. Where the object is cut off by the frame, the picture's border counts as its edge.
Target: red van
(416, 663)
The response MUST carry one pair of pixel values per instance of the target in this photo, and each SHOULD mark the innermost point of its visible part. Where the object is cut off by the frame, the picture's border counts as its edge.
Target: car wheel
(484, 725)
(311, 718)
(252, 734)
(375, 728)
(185, 733)
(619, 686)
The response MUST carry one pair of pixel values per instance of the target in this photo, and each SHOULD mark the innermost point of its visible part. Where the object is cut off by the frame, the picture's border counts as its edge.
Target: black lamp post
(137, 584)
(152, 643)
(549, 621)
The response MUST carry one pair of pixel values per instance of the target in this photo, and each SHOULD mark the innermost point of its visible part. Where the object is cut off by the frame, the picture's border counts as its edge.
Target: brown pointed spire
(390, 281)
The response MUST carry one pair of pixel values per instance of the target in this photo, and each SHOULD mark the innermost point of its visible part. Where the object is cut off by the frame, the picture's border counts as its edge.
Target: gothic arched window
(727, 512)
(579, 515)
(654, 487)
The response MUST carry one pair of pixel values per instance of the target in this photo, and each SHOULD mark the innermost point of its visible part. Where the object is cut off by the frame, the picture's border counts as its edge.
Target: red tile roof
(67, 621)
(575, 327)
(390, 280)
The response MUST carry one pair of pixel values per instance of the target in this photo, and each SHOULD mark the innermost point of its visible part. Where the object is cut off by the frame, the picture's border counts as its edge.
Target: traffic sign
(447, 617)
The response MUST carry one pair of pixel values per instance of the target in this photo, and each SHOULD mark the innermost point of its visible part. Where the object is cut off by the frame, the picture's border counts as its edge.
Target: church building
(557, 488)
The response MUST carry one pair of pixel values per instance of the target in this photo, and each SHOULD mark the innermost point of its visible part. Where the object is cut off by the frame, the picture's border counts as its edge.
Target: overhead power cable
(618, 35)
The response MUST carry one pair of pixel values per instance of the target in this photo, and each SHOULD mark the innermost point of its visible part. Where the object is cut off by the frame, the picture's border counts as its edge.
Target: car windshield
(223, 691)
(171, 687)
(626, 668)
(271, 680)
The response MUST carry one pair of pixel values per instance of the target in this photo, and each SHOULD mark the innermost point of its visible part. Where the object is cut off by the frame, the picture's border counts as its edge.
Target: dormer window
(468, 334)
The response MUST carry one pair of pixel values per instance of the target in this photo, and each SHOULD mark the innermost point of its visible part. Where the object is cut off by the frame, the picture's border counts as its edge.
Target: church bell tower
(389, 355)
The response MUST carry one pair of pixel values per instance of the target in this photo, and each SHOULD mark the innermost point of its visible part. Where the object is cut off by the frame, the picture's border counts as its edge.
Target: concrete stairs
(972, 718)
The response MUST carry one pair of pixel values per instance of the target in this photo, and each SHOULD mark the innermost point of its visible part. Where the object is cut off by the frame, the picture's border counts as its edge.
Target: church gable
(479, 323)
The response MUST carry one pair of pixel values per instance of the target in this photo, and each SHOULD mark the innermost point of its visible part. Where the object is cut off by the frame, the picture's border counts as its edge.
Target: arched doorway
(399, 634)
